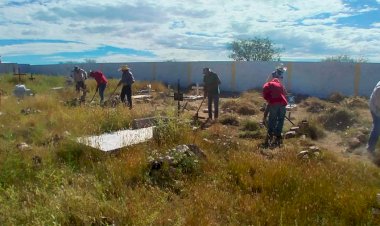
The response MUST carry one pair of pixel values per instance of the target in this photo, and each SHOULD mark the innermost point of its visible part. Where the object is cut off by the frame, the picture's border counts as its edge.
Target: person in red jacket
(101, 82)
(275, 95)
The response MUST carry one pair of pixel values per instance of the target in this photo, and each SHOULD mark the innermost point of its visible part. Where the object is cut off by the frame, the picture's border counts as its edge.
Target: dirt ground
(337, 141)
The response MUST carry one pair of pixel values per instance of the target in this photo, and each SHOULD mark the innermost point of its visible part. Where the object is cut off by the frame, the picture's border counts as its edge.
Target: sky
(55, 31)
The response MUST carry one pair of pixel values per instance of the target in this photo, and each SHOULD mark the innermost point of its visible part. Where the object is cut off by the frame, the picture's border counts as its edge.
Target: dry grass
(234, 185)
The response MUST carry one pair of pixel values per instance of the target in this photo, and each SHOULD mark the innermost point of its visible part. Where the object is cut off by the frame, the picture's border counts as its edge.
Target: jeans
(276, 119)
(126, 90)
(374, 136)
(210, 99)
(102, 87)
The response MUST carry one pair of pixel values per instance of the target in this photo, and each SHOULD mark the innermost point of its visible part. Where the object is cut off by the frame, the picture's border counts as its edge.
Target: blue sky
(54, 31)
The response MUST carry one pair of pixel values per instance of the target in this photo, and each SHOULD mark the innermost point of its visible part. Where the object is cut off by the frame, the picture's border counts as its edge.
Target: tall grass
(234, 185)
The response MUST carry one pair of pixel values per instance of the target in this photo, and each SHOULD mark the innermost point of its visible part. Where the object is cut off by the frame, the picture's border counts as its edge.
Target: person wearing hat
(126, 80)
(211, 91)
(79, 75)
(275, 94)
(278, 73)
(101, 82)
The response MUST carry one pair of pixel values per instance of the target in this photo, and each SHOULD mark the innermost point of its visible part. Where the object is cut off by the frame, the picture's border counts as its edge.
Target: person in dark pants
(101, 82)
(79, 75)
(374, 106)
(126, 80)
(275, 95)
(211, 91)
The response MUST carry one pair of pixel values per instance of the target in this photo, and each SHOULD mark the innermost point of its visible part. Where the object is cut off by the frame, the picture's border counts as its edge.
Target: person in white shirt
(374, 106)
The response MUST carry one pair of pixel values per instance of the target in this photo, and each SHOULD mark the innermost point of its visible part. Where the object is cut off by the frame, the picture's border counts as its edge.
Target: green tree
(256, 49)
(345, 59)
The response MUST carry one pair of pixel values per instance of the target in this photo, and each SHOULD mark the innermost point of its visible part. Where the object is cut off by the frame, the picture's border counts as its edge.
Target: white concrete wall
(316, 79)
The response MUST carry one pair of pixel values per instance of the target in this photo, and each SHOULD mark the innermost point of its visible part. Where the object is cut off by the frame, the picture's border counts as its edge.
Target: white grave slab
(116, 140)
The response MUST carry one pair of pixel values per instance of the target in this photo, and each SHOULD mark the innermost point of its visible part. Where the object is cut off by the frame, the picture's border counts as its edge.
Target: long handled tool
(196, 116)
(113, 92)
(96, 91)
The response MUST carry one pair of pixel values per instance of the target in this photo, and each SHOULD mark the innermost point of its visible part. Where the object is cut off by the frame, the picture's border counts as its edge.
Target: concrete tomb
(116, 140)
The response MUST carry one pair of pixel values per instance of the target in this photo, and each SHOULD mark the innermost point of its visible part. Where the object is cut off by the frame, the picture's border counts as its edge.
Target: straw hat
(124, 68)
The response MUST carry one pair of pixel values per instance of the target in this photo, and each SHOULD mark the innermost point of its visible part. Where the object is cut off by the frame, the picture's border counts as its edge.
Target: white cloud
(184, 30)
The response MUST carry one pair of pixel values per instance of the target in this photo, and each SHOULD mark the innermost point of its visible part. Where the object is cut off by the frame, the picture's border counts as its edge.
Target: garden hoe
(96, 91)
(109, 99)
(196, 116)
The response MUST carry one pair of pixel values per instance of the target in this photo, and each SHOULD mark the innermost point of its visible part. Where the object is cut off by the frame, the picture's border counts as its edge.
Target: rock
(23, 146)
(295, 128)
(37, 160)
(290, 134)
(197, 151)
(184, 149)
(205, 110)
(354, 143)
(66, 134)
(314, 149)
(362, 137)
(303, 155)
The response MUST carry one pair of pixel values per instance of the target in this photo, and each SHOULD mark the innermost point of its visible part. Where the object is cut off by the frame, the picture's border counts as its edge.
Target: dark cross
(17, 73)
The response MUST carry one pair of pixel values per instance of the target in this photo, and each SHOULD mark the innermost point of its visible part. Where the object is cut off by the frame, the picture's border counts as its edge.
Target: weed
(336, 97)
(338, 118)
(312, 129)
(229, 120)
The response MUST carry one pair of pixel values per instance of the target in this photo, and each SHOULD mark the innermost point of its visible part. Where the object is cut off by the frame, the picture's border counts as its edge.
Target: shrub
(250, 125)
(312, 129)
(336, 97)
(246, 110)
(356, 102)
(168, 132)
(338, 119)
(229, 120)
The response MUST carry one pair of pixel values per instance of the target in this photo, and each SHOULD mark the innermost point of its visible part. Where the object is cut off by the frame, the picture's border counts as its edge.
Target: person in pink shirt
(275, 95)
(101, 82)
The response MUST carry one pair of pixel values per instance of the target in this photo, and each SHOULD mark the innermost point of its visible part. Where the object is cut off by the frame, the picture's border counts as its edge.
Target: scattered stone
(66, 134)
(314, 149)
(23, 147)
(295, 128)
(197, 151)
(182, 156)
(362, 137)
(303, 155)
(28, 111)
(208, 141)
(205, 110)
(37, 160)
(354, 143)
(290, 134)
(312, 152)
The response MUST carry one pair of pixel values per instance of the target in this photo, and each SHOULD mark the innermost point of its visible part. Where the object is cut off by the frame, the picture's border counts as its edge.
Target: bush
(250, 125)
(338, 119)
(336, 97)
(313, 130)
(168, 132)
(229, 120)
(246, 110)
